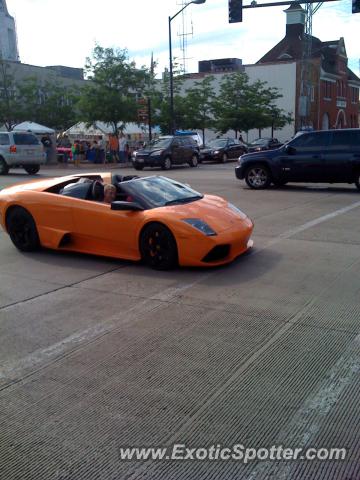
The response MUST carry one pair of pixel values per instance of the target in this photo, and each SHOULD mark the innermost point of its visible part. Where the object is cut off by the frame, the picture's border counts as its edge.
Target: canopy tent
(34, 128)
(81, 130)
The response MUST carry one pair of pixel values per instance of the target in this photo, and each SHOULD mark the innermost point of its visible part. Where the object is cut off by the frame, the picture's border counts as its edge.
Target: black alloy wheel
(158, 247)
(22, 230)
(258, 177)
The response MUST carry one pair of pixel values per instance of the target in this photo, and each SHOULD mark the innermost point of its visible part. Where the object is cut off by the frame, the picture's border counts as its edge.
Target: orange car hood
(213, 210)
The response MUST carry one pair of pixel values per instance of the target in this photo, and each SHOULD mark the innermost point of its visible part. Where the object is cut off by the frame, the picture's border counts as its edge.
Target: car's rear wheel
(258, 177)
(224, 158)
(32, 169)
(22, 230)
(158, 247)
(4, 167)
(357, 180)
(166, 164)
(194, 162)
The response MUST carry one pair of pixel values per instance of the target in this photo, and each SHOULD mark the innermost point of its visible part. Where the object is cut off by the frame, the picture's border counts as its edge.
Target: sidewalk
(86, 166)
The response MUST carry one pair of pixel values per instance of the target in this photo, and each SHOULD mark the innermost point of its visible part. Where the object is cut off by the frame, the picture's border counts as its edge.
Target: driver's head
(109, 193)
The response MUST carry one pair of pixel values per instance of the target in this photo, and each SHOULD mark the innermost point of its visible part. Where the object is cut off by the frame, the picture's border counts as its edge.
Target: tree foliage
(243, 106)
(114, 86)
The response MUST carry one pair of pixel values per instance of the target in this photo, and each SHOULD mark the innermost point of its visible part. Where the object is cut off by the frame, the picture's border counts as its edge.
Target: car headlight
(134, 155)
(157, 153)
(200, 225)
(215, 152)
(237, 210)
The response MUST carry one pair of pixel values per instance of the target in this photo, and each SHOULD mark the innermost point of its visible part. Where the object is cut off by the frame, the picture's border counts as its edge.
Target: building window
(354, 95)
(327, 89)
(312, 93)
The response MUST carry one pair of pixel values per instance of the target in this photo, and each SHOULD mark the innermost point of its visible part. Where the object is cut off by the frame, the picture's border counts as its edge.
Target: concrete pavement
(98, 354)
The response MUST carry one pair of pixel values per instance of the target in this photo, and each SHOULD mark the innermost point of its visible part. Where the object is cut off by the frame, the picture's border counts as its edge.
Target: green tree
(160, 101)
(199, 104)
(9, 105)
(114, 86)
(242, 106)
(48, 103)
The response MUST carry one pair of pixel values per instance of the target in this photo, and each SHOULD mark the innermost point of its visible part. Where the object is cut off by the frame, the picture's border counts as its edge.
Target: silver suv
(20, 149)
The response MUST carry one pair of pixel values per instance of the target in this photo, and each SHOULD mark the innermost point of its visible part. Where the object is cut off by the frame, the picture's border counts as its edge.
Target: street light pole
(172, 110)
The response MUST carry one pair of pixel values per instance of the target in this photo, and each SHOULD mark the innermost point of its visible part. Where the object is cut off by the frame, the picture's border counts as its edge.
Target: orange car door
(103, 231)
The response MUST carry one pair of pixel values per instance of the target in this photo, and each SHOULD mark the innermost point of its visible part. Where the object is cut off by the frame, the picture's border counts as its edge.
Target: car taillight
(13, 149)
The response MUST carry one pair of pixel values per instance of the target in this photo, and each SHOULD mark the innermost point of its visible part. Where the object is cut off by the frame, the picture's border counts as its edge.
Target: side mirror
(126, 206)
(290, 150)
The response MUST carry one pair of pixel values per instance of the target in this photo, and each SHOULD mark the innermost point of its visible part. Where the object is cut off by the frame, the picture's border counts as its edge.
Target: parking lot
(98, 354)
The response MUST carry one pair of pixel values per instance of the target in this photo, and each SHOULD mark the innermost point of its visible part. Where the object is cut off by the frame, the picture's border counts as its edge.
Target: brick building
(332, 97)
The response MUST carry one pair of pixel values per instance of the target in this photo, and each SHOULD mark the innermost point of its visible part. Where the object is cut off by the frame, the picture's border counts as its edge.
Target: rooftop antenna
(183, 35)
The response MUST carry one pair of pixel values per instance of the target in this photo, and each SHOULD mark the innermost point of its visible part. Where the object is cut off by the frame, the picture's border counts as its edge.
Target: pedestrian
(122, 148)
(114, 147)
(76, 153)
(47, 144)
(101, 147)
(97, 152)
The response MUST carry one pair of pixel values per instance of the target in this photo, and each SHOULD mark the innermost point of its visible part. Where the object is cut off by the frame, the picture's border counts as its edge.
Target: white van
(21, 149)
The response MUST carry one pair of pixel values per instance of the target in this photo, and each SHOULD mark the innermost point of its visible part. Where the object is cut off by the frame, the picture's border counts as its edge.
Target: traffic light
(355, 6)
(235, 11)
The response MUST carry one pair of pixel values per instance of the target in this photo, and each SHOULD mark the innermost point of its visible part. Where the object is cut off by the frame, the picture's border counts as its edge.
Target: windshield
(160, 191)
(217, 143)
(161, 143)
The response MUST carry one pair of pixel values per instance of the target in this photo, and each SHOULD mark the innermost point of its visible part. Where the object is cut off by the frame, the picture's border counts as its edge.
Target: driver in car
(109, 193)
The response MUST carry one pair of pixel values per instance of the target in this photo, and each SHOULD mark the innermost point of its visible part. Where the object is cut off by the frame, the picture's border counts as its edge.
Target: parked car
(167, 151)
(331, 156)
(20, 149)
(192, 134)
(222, 150)
(264, 144)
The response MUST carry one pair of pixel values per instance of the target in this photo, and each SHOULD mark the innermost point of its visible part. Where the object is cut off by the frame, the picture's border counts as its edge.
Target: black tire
(32, 169)
(224, 158)
(166, 165)
(357, 180)
(139, 167)
(258, 177)
(22, 230)
(4, 167)
(194, 162)
(158, 247)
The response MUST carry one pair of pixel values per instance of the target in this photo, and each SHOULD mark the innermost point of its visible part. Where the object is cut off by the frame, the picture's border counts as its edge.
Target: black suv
(168, 151)
(331, 156)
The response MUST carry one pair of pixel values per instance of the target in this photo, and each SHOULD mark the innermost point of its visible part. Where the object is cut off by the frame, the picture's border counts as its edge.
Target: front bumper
(149, 161)
(195, 251)
(240, 172)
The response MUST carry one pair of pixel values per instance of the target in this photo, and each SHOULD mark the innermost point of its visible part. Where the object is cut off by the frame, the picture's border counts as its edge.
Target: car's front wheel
(4, 167)
(258, 177)
(166, 165)
(224, 158)
(194, 162)
(22, 230)
(357, 180)
(32, 169)
(158, 247)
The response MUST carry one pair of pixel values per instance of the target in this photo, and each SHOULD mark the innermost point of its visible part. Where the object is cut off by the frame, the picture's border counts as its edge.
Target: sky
(64, 32)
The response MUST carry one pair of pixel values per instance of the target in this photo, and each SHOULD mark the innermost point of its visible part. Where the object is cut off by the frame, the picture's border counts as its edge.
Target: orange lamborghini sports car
(154, 219)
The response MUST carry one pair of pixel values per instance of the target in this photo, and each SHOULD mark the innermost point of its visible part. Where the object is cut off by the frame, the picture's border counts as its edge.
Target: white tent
(100, 128)
(34, 128)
